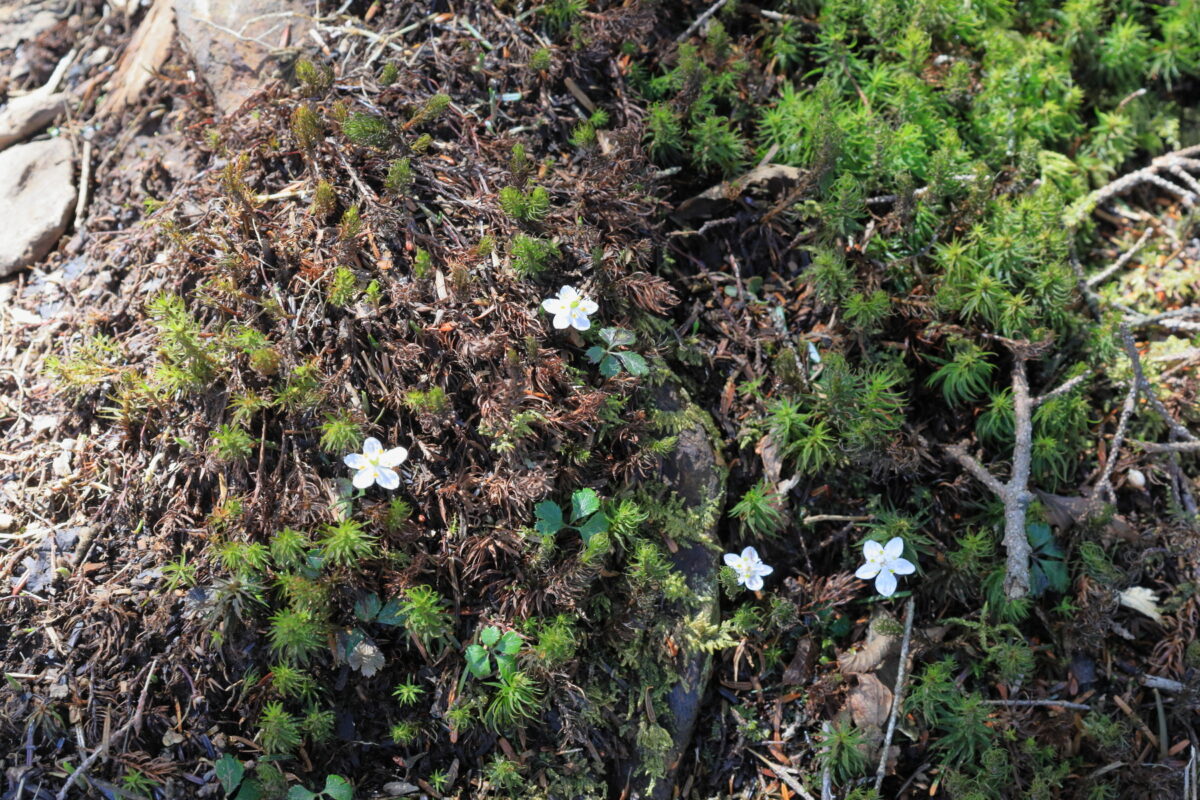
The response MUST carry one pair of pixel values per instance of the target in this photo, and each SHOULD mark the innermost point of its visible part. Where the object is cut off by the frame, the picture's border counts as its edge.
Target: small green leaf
(338, 788)
(610, 366)
(478, 661)
(490, 635)
(390, 613)
(609, 335)
(634, 363)
(549, 517)
(251, 790)
(367, 607)
(623, 338)
(510, 643)
(229, 772)
(505, 665)
(597, 524)
(1039, 534)
(584, 502)
(300, 793)
(595, 353)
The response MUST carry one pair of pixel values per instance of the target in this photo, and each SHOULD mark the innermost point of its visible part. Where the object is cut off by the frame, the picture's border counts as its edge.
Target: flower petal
(901, 566)
(355, 461)
(394, 457)
(552, 305)
(867, 571)
(387, 478)
(754, 583)
(372, 448)
(893, 549)
(763, 569)
(885, 583)
(732, 560)
(567, 293)
(872, 550)
(580, 321)
(562, 320)
(588, 306)
(364, 478)
(749, 553)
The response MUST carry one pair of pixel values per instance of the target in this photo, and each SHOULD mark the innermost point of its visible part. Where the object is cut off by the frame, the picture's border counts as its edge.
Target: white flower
(1142, 600)
(749, 567)
(570, 309)
(375, 465)
(884, 564)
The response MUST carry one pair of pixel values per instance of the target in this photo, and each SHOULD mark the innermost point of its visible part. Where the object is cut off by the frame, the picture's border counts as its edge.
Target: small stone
(399, 788)
(62, 464)
(37, 196)
(7, 522)
(26, 115)
(1136, 478)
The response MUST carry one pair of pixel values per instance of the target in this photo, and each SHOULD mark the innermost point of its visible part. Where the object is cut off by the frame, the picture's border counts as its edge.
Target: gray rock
(22, 21)
(26, 115)
(37, 195)
(233, 68)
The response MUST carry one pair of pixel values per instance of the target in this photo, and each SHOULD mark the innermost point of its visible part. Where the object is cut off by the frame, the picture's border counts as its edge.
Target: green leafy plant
(278, 731)
(493, 647)
(531, 255)
(759, 510)
(611, 358)
(515, 699)
(584, 515)
(368, 129)
(407, 693)
(531, 206)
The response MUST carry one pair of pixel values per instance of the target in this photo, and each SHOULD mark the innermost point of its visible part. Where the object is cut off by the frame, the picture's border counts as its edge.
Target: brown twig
(134, 722)
(1039, 703)
(897, 695)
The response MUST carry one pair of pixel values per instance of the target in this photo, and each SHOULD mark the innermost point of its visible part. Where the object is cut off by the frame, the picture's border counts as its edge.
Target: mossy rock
(694, 475)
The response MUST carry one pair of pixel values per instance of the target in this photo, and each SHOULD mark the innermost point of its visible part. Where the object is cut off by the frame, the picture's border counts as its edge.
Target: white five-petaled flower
(570, 309)
(749, 567)
(884, 563)
(376, 465)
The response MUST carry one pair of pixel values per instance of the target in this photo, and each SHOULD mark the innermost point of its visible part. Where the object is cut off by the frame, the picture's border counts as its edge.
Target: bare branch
(1036, 703)
(1106, 273)
(1063, 389)
(1170, 447)
(897, 695)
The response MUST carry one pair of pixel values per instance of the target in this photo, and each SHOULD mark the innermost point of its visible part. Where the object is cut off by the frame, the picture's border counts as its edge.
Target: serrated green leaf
(229, 772)
(549, 517)
(338, 788)
(1038, 534)
(367, 607)
(634, 363)
(510, 643)
(609, 335)
(609, 366)
(584, 502)
(490, 635)
(478, 661)
(390, 614)
(300, 793)
(597, 524)
(595, 353)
